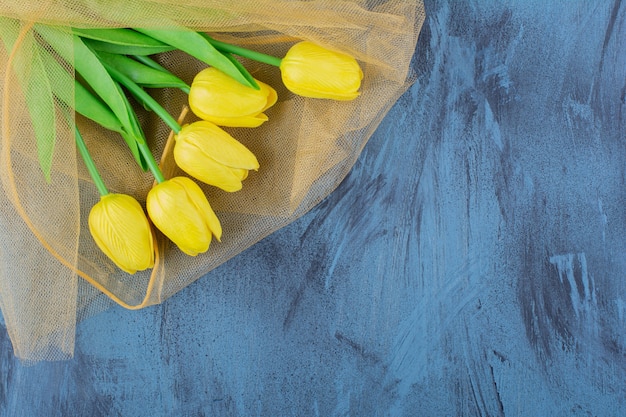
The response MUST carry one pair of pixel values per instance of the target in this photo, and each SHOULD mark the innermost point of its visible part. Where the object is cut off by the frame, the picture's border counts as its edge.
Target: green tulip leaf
(143, 97)
(41, 107)
(93, 108)
(243, 70)
(241, 51)
(121, 41)
(147, 61)
(80, 99)
(37, 89)
(142, 74)
(194, 44)
(88, 105)
(133, 136)
(88, 65)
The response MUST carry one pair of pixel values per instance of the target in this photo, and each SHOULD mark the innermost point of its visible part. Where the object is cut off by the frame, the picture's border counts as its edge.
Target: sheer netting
(52, 274)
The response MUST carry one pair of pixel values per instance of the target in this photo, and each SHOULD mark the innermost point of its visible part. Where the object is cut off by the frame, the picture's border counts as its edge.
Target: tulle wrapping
(47, 256)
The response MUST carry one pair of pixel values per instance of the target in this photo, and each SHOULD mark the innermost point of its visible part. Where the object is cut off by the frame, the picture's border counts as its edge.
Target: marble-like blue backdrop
(472, 264)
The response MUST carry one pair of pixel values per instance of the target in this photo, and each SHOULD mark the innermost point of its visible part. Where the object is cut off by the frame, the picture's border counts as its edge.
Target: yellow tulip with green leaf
(202, 150)
(225, 94)
(218, 98)
(118, 223)
(308, 69)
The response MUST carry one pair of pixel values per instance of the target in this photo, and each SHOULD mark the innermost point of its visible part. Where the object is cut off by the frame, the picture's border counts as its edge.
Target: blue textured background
(472, 264)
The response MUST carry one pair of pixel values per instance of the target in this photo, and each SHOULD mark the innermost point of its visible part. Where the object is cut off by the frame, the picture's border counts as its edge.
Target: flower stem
(149, 62)
(152, 163)
(147, 99)
(146, 60)
(247, 53)
(144, 97)
(91, 166)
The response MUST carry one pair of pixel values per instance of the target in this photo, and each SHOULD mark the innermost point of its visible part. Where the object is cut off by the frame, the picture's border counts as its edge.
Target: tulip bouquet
(145, 143)
(112, 63)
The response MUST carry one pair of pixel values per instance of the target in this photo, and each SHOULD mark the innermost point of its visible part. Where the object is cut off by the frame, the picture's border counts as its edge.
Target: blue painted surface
(471, 264)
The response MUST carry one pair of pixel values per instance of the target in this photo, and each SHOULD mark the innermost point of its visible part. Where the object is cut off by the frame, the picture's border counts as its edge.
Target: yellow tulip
(212, 156)
(312, 71)
(121, 230)
(218, 98)
(180, 210)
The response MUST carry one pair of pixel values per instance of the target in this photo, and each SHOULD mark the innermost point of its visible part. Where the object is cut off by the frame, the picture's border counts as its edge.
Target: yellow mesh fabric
(47, 255)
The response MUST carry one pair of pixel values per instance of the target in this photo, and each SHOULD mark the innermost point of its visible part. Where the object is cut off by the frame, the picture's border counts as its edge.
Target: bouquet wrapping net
(51, 273)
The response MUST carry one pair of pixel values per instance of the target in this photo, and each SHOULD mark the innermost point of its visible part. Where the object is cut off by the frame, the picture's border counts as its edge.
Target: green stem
(152, 163)
(144, 97)
(91, 166)
(147, 99)
(149, 62)
(247, 53)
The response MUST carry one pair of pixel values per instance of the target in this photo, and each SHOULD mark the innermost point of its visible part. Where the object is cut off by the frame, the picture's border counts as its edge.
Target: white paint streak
(621, 308)
(585, 304)
(492, 126)
(603, 219)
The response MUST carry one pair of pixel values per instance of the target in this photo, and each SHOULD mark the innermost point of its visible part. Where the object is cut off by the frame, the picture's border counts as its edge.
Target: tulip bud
(312, 71)
(121, 230)
(212, 156)
(180, 210)
(218, 98)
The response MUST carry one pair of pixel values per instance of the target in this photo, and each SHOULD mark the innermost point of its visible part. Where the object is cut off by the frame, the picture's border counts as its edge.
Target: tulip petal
(197, 197)
(244, 121)
(242, 174)
(205, 168)
(270, 93)
(218, 144)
